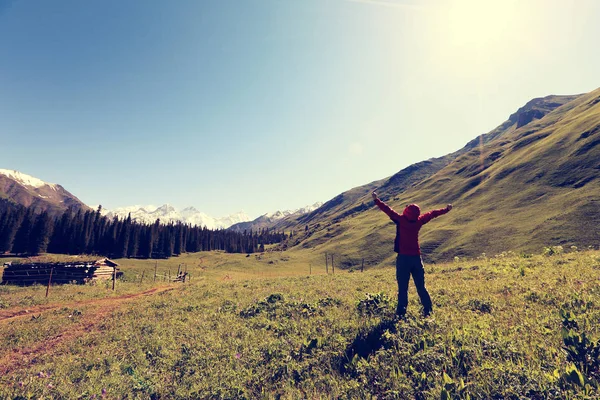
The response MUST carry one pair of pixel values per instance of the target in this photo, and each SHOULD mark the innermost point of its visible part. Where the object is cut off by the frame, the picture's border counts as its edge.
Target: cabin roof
(106, 261)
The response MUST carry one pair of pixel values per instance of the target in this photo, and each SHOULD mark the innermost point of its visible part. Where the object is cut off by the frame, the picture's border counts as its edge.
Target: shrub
(553, 250)
(482, 306)
(582, 352)
(373, 304)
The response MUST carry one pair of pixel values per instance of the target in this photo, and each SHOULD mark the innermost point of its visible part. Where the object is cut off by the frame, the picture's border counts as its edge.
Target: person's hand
(449, 207)
(374, 195)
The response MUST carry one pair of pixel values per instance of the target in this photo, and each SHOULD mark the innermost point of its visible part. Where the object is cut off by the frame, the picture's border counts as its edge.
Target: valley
(244, 327)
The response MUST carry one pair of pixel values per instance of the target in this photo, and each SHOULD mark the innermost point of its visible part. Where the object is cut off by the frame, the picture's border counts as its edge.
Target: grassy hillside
(521, 187)
(352, 201)
(504, 327)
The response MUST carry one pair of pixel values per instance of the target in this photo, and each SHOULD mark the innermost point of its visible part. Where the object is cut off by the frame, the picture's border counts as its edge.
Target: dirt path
(23, 312)
(20, 358)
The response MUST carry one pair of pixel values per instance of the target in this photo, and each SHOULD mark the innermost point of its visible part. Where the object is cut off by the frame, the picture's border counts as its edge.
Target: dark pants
(405, 267)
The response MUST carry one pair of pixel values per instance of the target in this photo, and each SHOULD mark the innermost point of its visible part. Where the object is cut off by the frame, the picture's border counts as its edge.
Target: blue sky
(263, 105)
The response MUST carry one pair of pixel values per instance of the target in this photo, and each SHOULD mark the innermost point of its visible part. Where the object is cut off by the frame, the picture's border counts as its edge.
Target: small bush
(373, 304)
(553, 250)
(274, 298)
(482, 306)
(582, 352)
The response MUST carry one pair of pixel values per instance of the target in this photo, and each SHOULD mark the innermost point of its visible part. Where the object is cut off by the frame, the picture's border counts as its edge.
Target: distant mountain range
(276, 220)
(29, 191)
(167, 213)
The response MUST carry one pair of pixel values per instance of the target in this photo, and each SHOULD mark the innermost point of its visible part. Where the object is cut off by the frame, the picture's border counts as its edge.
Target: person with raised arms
(406, 244)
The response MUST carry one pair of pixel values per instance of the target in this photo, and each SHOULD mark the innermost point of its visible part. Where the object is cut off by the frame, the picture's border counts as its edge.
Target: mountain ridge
(278, 220)
(546, 154)
(28, 191)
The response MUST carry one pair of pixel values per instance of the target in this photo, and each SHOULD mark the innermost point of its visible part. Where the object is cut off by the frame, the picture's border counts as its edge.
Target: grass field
(262, 327)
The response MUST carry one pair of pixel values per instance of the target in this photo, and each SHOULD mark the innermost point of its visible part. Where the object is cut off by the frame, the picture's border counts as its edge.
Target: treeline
(76, 232)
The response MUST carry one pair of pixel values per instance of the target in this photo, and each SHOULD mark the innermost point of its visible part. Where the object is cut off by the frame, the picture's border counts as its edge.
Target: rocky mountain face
(538, 108)
(29, 191)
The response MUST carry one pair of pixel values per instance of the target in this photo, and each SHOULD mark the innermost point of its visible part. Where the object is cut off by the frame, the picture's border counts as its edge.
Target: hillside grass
(524, 189)
(244, 327)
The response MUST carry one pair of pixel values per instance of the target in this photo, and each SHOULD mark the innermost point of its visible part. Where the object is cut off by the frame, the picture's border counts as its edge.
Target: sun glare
(479, 23)
(473, 32)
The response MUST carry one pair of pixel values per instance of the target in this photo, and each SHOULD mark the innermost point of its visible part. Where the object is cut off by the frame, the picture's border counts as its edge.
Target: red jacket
(408, 225)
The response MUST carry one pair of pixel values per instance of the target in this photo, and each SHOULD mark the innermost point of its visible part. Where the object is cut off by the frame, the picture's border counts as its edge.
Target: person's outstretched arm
(428, 216)
(394, 216)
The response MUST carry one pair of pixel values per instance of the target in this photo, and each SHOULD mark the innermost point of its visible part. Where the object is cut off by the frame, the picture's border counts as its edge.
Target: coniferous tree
(11, 221)
(22, 237)
(134, 238)
(122, 244)
(78, 232)
(57, 239)
(40, 234)
(178, 247)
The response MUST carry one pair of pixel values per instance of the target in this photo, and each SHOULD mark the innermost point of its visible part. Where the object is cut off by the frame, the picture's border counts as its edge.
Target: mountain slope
(358, 199)
(32, 192)
(531, 182)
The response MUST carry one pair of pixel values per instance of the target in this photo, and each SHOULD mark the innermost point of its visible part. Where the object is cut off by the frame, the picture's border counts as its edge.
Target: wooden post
(178, 269)
(114, 276)
(169, 274)
(155, 267)
(362, 267)
(326, 265)
(49, 281)
(142, 278)
(332, 266)
(310, 269)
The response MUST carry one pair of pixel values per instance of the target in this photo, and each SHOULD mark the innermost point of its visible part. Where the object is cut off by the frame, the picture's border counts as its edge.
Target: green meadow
(277, 326)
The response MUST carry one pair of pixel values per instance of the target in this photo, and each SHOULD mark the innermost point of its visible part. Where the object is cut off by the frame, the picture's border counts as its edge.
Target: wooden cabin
(31, 273)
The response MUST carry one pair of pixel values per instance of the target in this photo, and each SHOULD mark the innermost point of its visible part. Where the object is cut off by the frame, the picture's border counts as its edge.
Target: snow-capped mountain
(277, 215)
(30, 191)
(26, 180)
(277, 218)
(167, 213)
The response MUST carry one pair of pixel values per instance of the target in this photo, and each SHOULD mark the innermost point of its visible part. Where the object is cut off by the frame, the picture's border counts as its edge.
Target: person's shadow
(366, 343)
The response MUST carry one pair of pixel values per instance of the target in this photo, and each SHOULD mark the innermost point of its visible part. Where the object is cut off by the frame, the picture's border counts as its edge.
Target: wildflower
(42, 374)
(21, 384)
(103, 392)
(50, 386)
(238, 355)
